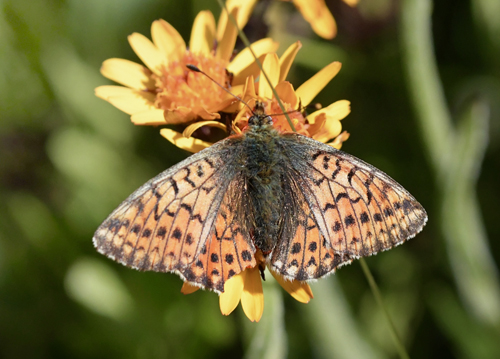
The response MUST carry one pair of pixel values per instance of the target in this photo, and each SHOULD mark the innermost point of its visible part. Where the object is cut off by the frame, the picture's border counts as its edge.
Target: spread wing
(344, 209)
(184, 221)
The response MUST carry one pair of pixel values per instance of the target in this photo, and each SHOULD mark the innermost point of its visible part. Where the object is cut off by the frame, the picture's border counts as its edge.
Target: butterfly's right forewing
(353, 208)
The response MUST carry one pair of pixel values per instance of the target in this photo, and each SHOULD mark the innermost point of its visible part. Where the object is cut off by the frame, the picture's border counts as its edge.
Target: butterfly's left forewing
(347, 205)
(177, 222)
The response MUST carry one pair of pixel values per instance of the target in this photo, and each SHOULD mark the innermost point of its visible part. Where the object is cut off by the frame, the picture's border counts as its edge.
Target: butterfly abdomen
(263, 172)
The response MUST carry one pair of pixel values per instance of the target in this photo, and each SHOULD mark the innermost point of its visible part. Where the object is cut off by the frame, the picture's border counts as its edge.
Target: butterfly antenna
(196, 69)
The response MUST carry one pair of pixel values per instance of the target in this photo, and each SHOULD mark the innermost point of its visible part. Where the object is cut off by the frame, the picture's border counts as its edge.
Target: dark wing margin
(351, 207)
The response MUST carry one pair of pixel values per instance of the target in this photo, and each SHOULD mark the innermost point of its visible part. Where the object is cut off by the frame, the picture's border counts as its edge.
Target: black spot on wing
(340, 196)
(187, 207)
(296, 247)
(349, 220)
(174, 186)
(364, 217)
(337, 170)
(351, 174)
(329, 206)
(177, 233)
(316, 155)
(246, 255)
(229, 258)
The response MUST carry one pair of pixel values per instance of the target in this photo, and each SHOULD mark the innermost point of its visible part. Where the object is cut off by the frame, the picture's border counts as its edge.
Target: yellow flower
(247, 288)
(165, 91)
(322, 125)
(316, 13)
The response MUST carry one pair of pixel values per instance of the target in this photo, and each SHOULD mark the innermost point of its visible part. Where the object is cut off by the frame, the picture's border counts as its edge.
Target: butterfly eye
(268, 120)
(252, 120)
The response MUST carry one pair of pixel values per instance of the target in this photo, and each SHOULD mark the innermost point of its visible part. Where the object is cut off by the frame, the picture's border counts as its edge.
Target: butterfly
(309, 208)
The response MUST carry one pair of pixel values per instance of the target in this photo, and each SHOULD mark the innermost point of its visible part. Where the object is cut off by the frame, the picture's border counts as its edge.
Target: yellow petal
(154, 117)
(188, 132)
(189, 144)
(245, 10)
(351, 3)
(309, 89)
(334, 113)
(287, 94)
(339, 140)
(233, 289)
(204, 114)
(125, 99)
(272, 68)
(226, 44)
(252, 70)
(249, 90)
(316, 124)
(229, 104)
(168, 40)
(339, 109)
(324, 25)
(316, 13)
(188, 288)
(299, 290)
(330, 130)
(244, 59)
(179, 115)
(128, 73)
(287, 58)
(203, 33)
(153, 58)
(252, 298)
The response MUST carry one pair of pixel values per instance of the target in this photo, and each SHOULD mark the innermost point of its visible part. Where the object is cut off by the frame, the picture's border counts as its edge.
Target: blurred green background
(425, 91)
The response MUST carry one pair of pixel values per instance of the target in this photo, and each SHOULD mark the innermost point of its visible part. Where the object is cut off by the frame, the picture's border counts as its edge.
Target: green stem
(378, 297)
(343, 339)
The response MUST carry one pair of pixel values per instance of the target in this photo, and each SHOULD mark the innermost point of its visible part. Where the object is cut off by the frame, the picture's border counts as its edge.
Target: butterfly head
(259, 117)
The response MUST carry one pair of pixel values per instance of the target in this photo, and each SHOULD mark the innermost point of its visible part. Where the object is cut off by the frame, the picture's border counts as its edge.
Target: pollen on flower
(179, 87)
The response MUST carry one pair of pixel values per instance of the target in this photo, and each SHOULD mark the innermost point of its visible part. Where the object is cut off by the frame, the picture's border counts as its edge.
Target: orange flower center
(181, 87)
(280, 121)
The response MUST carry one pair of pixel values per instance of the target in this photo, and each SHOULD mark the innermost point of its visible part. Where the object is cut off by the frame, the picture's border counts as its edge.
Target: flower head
(165, 91)
(323, 125)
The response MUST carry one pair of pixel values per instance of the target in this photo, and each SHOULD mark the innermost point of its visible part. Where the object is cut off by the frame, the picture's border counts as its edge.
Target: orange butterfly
(308, 207)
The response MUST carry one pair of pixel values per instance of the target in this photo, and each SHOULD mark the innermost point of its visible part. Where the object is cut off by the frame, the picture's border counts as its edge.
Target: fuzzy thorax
(263, 174)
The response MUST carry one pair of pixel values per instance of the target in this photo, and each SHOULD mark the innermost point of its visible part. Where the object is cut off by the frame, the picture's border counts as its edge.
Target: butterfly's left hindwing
(229, 250)
(345, 209)
(179, 222)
